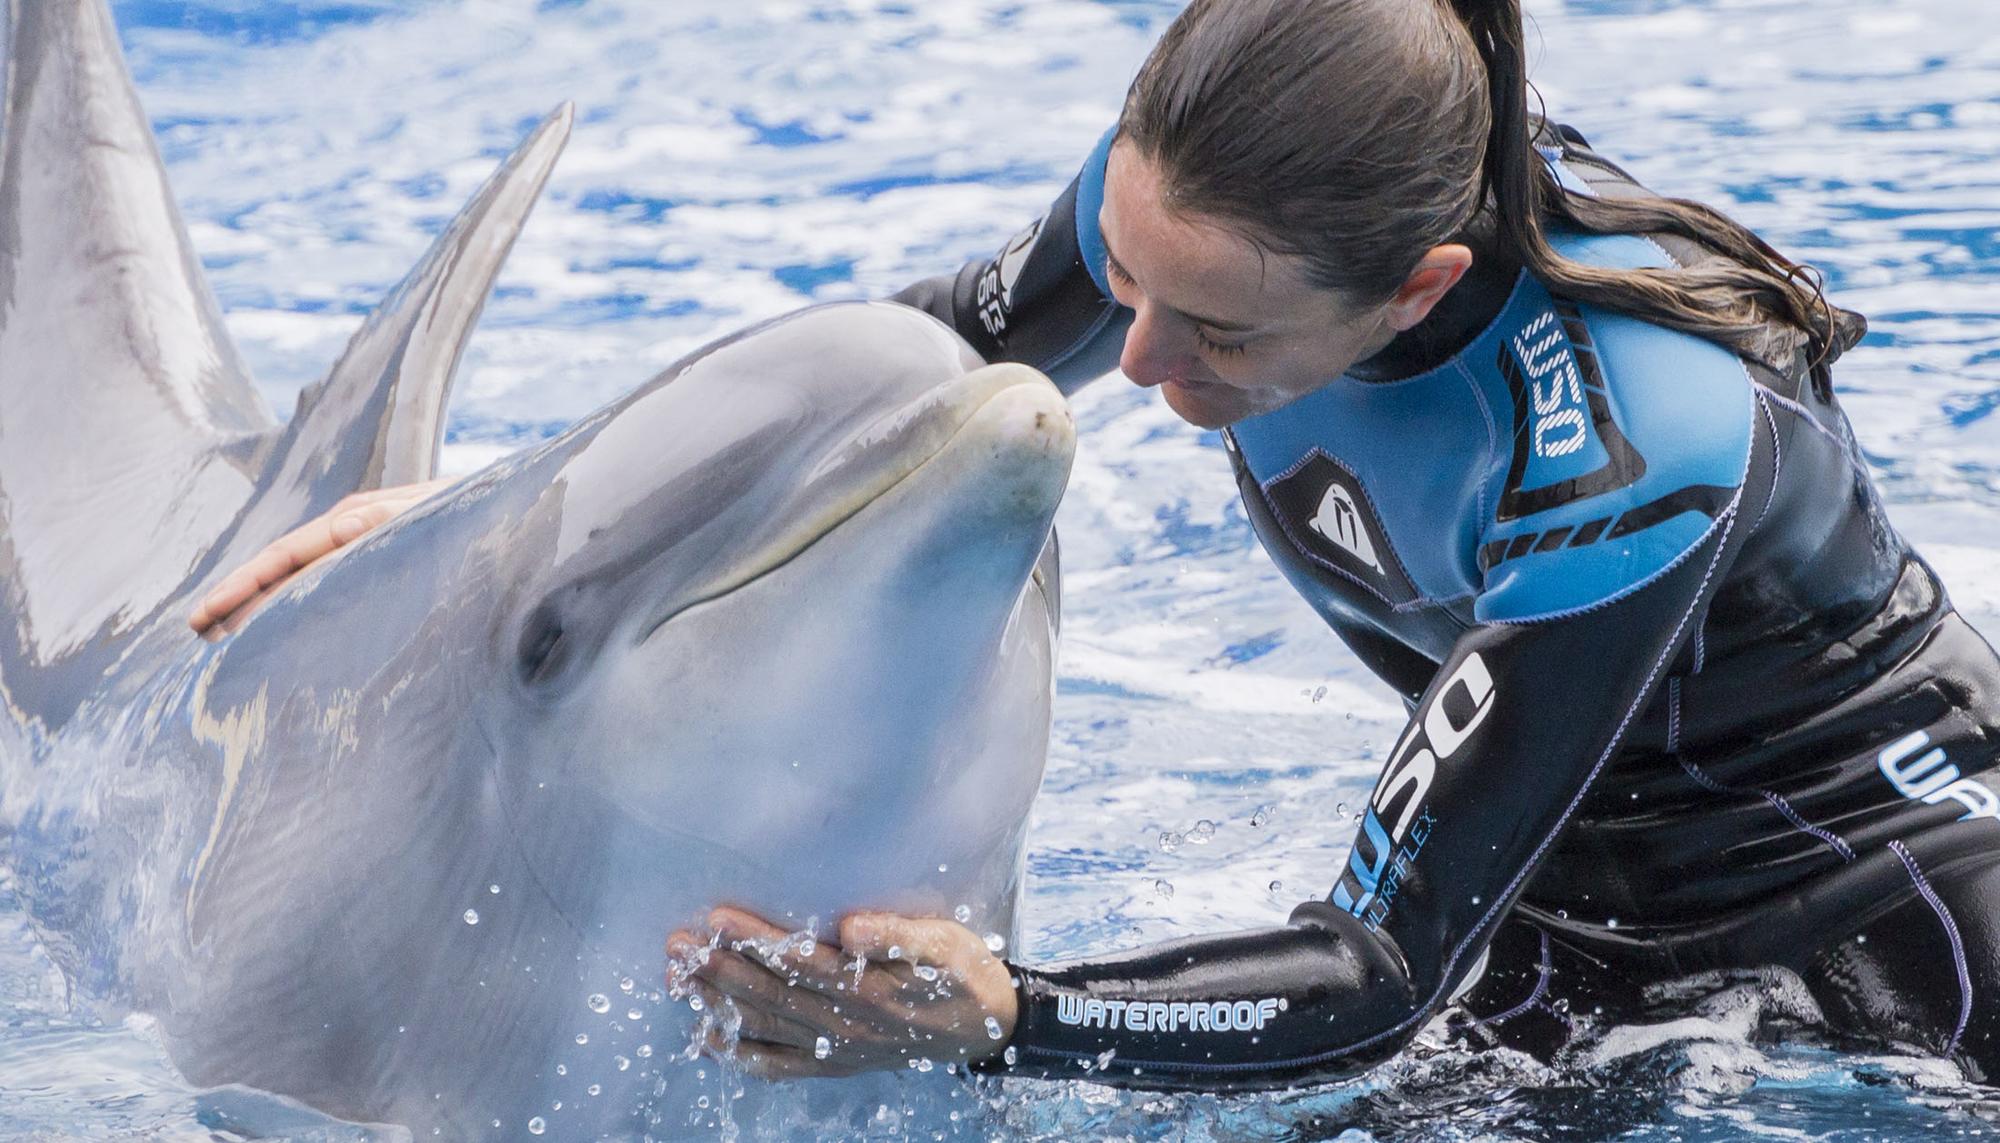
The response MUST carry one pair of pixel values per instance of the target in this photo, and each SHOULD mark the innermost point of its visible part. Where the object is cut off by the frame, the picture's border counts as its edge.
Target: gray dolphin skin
(774, 629)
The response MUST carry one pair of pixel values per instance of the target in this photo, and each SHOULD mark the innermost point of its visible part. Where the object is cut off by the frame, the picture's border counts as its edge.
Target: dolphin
(776, 628)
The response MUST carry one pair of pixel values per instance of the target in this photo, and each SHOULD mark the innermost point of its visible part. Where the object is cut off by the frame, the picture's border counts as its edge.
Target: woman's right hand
(355, 516)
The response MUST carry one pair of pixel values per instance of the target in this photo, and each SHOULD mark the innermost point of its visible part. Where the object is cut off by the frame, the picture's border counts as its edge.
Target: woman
(1560, 460)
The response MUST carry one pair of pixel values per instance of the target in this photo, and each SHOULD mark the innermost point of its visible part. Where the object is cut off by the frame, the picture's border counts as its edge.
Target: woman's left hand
(899, 989)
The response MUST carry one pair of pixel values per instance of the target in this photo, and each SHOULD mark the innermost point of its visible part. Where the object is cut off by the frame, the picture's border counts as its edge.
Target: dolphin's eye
(543, 650)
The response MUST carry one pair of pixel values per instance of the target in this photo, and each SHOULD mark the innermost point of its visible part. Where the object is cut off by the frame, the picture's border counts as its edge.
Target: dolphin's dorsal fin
(378, 417)
(120, 392)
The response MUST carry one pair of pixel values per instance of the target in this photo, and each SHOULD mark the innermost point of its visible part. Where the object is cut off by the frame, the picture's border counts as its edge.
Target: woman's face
(1226, 329)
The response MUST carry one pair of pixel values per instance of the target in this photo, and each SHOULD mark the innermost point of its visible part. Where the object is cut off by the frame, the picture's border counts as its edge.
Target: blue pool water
(734, 159)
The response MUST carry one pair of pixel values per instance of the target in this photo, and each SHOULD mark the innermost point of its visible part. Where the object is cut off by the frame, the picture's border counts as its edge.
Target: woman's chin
(1205, 406)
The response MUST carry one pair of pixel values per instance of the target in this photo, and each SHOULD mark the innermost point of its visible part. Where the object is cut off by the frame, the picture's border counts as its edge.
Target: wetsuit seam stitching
(1951, 931)
(1777, 801)
(1541, 989)
(1777, 451)
(1812, 422)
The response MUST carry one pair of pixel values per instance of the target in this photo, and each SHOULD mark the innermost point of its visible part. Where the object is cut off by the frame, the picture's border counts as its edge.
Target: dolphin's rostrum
(776, 628)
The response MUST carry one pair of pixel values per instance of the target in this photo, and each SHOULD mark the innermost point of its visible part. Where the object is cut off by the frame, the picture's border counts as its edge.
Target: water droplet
(943, 868)
(925, 972)
(1861, 939)
(1170, 841)
(582, 1038)
(599, 1003)
(556, 1106)
(634, 1014)
(562, 1069)
(620, 1062)
(1276, 886)
(1263, 814)
(1163, 887)
(1202, 833)
(1612, 923)
(822, 1048)
(493, 889)
(696, 1003)
(644, 1051)
(924, 1064)
(1319, 693)
(1562, 914)
(1340, 808)
(995, 942)
(1104, 1057)
(595, 1089)
(1010, 1055)
(993, 1031)
(895, 952)
(625, 985)
(807, 947)
(537, 1125)
(1475, 900)
(962, 914)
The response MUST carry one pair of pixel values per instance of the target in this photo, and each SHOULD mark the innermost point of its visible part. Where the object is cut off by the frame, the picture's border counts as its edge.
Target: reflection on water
(733, 160)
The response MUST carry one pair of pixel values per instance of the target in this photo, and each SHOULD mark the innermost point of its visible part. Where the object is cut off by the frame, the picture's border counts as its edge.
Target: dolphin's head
(798, 564)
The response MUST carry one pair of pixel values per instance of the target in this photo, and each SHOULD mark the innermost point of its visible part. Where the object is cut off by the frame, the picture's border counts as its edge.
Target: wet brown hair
(1358, 134)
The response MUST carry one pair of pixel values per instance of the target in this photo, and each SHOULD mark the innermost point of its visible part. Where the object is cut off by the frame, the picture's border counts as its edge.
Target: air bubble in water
(822, 1048)
(537, 1125)
(993, 1031)
(1163, 887)
(472, 916)
(962, 914)
(599, 1003)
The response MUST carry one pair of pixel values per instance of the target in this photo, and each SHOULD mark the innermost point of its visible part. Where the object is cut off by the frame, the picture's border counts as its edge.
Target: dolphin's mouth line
(760, 568)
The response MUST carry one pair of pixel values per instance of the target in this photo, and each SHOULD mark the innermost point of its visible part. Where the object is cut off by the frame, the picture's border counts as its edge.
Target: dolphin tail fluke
(378, 417)
(124, 408)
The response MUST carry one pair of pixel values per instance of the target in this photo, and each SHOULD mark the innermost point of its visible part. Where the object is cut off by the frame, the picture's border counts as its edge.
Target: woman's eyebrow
(1216, 324)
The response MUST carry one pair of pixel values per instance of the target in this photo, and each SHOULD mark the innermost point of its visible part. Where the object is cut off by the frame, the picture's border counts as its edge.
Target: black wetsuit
(1682, 699)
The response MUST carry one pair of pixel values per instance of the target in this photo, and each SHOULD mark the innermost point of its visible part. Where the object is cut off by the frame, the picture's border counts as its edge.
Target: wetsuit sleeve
(1522, 716)
(1042, 300)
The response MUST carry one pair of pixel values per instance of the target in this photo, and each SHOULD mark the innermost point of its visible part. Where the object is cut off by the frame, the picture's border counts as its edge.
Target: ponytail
(1734, 299)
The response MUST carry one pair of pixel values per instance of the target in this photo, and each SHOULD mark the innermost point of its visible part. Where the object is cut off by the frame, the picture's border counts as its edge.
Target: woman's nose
(1152, 356)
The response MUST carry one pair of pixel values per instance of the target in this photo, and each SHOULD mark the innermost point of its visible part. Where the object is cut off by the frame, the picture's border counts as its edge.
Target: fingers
(350, 519)
(920, 940)
(762, 1025)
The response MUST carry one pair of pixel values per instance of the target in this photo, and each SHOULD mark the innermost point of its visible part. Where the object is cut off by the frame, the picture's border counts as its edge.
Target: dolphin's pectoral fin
(122, 401)
(378, 417)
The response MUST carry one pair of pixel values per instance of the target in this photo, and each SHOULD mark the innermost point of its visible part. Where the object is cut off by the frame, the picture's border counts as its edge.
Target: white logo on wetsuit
(1560, 426)
(1930, 779)
(1175, 1016)
(996, 285)
(1433, 737)
(1340, 521)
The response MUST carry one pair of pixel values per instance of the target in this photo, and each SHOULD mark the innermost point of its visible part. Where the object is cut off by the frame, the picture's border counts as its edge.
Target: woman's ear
(1435, 274)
